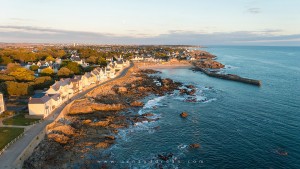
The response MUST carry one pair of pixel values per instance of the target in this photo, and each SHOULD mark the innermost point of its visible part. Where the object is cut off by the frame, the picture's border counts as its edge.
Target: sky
(188, 22)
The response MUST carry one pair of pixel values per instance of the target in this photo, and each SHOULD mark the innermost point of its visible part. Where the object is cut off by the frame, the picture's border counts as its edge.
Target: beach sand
(167, 65)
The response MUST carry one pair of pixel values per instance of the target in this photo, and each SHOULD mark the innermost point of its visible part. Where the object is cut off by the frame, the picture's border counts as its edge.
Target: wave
(152, 104)
(231, 67)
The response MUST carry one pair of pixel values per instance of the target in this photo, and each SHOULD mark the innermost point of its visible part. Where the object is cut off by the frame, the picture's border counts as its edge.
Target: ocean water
(237, 125)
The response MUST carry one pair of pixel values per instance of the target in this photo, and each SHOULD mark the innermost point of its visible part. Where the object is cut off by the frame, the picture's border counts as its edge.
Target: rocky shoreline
(92, 123)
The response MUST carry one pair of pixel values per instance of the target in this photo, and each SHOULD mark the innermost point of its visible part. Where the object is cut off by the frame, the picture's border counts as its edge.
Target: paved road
(8, 158)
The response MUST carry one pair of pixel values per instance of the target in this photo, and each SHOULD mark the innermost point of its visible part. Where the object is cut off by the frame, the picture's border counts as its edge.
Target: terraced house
(2, 104)
(61, 91)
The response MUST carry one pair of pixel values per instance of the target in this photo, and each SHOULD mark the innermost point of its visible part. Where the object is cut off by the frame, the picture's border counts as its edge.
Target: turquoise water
(236, 124)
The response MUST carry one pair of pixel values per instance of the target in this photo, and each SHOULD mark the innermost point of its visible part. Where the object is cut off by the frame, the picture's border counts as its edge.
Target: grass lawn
(19, 120)
(7, 134)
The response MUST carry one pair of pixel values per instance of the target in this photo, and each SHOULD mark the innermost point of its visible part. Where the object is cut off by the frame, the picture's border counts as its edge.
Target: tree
(65, 72)
(92, 60)
(22, 74)
(50, 58)
(18, 89)
(102, 62)
(34, 67)
(73, 66)
(43, 82)
(47, 72)
(4, 77)
(60, 53)
(88, 68)
(11, 67)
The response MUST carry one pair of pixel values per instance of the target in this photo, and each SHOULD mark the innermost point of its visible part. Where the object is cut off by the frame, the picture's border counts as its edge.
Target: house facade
(2, 104)
(40, 106)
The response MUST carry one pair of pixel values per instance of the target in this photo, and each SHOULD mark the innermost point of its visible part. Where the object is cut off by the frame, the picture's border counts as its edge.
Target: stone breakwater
(93, 123)
(207, 65)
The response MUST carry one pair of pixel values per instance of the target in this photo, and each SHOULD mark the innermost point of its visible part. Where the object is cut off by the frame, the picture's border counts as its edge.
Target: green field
(19, 120)
(7, 134)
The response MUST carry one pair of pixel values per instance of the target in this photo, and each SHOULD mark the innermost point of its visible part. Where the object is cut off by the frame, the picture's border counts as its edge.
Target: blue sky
(198, 22)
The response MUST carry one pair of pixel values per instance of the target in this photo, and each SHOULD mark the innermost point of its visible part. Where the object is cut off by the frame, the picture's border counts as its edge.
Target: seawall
(229, 77)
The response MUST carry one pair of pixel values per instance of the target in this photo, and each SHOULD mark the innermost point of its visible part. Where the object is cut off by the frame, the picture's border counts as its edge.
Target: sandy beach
(166, 65)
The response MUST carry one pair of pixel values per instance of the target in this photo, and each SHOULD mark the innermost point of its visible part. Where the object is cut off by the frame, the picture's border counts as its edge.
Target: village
(43, 102)
(35, 92)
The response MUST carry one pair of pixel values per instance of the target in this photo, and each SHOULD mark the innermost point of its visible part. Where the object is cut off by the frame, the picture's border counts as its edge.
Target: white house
(56, 100)
(85, 81)
(40, 106)
(76, 84)
(76, 58)
(2, 104)
(137, 58)
(119, 64)
(62, 87)
(58, 61)
(102, 73)
(96, 75)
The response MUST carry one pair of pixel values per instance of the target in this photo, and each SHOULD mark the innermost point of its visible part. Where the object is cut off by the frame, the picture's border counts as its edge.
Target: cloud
(173, 37)
(254, 10)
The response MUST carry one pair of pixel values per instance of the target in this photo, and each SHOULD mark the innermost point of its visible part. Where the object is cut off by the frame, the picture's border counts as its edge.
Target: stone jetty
(227, 76)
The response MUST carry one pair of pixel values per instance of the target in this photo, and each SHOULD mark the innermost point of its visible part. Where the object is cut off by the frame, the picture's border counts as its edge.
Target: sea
(237, 125)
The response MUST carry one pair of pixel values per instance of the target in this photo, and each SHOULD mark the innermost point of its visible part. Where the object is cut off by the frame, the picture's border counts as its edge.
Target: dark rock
(165, 157)
(195, 145)
(110, 137)
(147, 114)
(184, 114)
(137, 104)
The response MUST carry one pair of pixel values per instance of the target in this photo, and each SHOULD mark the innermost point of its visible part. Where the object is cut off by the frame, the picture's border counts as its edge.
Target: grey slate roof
(41, 100)
(54, 96)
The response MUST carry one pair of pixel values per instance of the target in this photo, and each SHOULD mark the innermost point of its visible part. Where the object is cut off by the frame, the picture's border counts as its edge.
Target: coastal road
(10, 156)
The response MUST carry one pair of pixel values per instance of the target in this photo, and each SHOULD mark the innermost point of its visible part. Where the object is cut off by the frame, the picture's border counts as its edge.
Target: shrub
(17, 89)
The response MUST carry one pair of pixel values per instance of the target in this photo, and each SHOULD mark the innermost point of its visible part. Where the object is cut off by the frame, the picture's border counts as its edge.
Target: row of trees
(19, 81)
(10, 55)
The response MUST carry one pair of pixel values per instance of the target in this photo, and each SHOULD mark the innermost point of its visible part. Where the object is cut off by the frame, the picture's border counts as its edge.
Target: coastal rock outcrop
(65, 129)
(122, 89)
(80, 107)
(148, 114)
(59, 138)
(184, 114)
(100, 124)
(165, 157)
(209, 64)
(137, 104)
(103, 145)
(195, 145)
(107, 107)
(85, 106)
